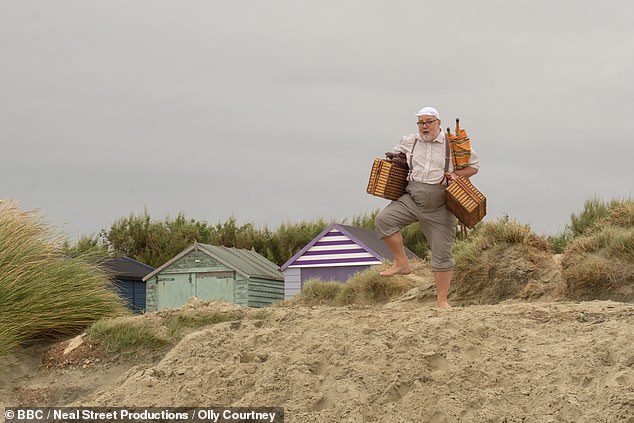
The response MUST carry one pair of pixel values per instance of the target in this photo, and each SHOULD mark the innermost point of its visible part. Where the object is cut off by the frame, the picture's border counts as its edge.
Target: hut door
(215, 286)
(173, 290)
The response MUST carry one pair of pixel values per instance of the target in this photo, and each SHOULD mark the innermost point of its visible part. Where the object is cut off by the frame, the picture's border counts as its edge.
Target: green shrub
(593, 211)
(596, 214)
(154, 242)
(558, 243)
(415, 241)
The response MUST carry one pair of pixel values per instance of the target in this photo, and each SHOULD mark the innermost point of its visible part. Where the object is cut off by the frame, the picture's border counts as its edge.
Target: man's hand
(397, 158)
(451, 175)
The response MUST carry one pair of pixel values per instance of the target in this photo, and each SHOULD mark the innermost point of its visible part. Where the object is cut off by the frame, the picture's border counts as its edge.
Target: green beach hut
(211, 272)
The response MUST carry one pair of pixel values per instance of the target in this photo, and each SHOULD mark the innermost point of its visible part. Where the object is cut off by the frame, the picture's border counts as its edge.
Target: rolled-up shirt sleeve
(404, 145)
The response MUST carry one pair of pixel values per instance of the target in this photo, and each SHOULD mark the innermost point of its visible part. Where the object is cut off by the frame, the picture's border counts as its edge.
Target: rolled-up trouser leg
(425, 204)
(440, 237)
(437, 224)
(394, 217)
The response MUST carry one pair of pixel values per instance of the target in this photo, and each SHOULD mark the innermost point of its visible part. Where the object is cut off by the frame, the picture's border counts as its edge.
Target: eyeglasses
(425, 122)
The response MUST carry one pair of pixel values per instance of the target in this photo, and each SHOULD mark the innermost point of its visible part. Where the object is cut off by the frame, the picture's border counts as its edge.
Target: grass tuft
(598, 262)
(132, 337)
(179, 323)
(369, 287)
(152, 334)
(317, 292)
(366, 288)
(501, 259)
(494, 236)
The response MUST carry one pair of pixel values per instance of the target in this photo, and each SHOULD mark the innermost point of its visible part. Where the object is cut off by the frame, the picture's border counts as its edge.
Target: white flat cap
(428, 111)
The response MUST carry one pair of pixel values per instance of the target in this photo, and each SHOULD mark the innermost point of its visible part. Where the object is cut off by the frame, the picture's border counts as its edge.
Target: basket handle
(375, 182)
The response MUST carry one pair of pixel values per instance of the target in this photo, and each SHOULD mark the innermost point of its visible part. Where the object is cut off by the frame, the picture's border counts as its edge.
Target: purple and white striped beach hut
(336, 254)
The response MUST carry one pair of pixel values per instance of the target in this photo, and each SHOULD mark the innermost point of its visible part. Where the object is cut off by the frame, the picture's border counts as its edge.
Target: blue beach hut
(127, 278)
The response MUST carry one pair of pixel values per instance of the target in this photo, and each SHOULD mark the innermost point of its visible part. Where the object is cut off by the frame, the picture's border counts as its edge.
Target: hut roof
(125, 268)
(357, 246)
(247, 263)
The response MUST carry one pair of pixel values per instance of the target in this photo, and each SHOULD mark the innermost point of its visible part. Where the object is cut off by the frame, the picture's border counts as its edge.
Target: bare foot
(443, 305)
(397, 270)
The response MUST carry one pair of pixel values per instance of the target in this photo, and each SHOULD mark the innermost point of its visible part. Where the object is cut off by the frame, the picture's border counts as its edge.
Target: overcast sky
(273, 111)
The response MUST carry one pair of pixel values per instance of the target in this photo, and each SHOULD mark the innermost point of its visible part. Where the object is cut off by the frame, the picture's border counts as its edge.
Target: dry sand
(404, 361)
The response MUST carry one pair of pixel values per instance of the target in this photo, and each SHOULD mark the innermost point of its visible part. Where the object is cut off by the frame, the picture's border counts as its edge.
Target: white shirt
(428, 163)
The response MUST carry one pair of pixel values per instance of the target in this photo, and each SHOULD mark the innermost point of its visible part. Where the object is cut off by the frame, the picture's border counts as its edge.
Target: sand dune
(404, 361)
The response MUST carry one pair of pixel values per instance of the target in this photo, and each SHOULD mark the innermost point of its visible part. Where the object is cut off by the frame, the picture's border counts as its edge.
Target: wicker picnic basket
(387, 179)
(466, 203)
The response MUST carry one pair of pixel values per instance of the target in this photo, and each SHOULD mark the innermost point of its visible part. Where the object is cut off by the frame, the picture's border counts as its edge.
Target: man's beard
(428, 137)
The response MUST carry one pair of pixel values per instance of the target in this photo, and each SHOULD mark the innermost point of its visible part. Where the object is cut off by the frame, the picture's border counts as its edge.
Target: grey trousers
(425, 204)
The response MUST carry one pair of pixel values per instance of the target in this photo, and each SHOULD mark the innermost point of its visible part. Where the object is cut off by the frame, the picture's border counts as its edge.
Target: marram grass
(497, 235)
(44, 294)
(130, 336)
(599, 259)
(149, 335)
(365, 288)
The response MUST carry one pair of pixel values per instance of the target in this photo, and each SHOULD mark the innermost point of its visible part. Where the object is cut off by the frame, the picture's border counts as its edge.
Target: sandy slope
(401, 362)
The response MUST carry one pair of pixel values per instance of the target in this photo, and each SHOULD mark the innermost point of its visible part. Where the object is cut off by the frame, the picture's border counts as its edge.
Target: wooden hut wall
(339, 273)
(133, 291)
(264, 292)
(292, 282)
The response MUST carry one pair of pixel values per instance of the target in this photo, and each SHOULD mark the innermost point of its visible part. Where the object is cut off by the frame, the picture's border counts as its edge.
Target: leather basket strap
(411, 157)
(447, 158)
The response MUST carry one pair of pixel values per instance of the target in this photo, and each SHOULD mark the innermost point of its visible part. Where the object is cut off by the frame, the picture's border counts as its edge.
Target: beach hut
(211, 272)
(336, 254)
(127, 277)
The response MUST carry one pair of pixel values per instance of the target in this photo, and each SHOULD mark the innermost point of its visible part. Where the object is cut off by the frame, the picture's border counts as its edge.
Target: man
(424, 202)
